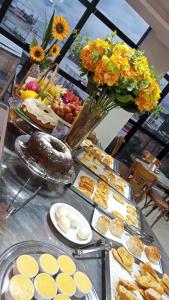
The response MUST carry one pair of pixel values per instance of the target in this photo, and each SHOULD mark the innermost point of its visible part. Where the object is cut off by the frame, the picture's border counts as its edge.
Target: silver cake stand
(36, 170)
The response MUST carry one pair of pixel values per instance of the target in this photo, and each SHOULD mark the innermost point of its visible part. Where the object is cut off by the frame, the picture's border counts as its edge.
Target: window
(25, 18)
(136, 145)
(163, 83)
(1, 2)
(124, 17)
(165, 165)
(158, 125)
(93, 28)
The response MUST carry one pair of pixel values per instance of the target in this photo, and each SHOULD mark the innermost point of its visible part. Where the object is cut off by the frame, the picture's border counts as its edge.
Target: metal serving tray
(74, 188)
(34, 248)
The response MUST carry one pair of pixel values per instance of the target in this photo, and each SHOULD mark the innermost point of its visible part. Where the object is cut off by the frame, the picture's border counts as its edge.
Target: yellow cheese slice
(45, 285)
(27, 265)
(82, 282)
(48, 264)
(21, 288)
(66, 284)
(66, 264)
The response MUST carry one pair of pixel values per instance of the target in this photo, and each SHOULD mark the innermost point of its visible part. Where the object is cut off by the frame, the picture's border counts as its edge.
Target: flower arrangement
(118, 76)
(57, 30)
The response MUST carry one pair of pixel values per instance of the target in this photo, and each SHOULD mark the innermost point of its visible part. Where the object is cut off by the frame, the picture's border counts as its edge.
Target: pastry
(116, 228)
(66, 264)
(151, 294)
(119, 198)
(104, 178)
(93, 168)
(147, 281)
(165, 283)
(130, 286)
(26, 265)
(124, 258)
(118, 215)
(131, 207)
(86, 183)
(20, 287)
(83, 233)
(122, 182)
(119, 188)
(135, 245)
(102, 225)
(45, 286)
(103, 186)
(124, 294)
(50, 153)
(132, 219)
(147, 268)
(48, 264)
(153, 254)
(108, 160)
(83, 284)
(64, 224)
(39, 113)
(65, 284)
(61, 212)
(86, 192)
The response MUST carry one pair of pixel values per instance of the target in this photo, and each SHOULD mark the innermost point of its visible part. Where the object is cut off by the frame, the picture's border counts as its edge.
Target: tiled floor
(161, 229)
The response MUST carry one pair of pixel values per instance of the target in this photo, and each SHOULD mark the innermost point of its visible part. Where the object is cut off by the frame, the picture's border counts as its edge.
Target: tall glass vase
(87, 120)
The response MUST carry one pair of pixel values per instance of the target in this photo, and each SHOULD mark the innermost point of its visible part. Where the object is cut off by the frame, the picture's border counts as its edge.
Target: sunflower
(54, 50)
(60, 28)
(37, 53)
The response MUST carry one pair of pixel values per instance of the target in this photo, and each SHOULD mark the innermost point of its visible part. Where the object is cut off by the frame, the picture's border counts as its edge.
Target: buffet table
(33, 221)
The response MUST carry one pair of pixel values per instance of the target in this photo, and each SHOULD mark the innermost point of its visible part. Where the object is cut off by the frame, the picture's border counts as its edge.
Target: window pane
(165, 165)
(163, 83)
(93, 29)
(1, 2)
(70, 86)
(136, 145)
(124, 17)
(25, 18)
(159, 124)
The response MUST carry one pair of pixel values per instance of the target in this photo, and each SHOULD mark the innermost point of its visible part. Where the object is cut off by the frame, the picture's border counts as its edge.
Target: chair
(156, 200)
(148, 157)
(123, 170)
(141, 180)
(120, 141)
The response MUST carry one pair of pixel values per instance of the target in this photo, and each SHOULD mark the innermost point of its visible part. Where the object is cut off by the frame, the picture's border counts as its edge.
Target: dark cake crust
(50, 153)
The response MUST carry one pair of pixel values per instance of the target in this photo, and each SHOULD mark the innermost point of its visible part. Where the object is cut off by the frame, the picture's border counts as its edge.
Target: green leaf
(34, 42)
(47, 35)
(124, 98)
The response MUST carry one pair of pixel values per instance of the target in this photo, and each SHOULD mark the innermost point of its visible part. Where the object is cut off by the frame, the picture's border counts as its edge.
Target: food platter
(71, 235)
(123, 241)
(106, 173)
(116, 272)
(34, 248)
(109, 210)
(21, 149)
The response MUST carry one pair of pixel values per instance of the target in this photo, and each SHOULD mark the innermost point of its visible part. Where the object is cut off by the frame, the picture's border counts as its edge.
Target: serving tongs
(145, 237)
(100, 245)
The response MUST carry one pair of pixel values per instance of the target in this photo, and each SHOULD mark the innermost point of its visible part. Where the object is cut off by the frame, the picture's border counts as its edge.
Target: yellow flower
(60, 28)
(37, 53)
(92, 53)
(54, 50)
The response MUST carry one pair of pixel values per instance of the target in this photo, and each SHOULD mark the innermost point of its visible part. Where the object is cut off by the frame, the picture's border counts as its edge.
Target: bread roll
(153, 254)
(135, 245)
(116, 227)
(102, 224)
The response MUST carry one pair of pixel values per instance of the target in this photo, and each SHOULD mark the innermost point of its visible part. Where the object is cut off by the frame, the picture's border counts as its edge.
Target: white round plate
(71, 235)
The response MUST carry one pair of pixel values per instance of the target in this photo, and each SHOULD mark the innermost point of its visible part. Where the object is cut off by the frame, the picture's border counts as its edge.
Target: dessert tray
(77, 221)
(107, 172)
(21, 150)
(116, 205)
(123, 240)
(34, 248)
(117, 272)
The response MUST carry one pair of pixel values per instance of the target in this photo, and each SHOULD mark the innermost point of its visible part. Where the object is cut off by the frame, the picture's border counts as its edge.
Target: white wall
(111, 125)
